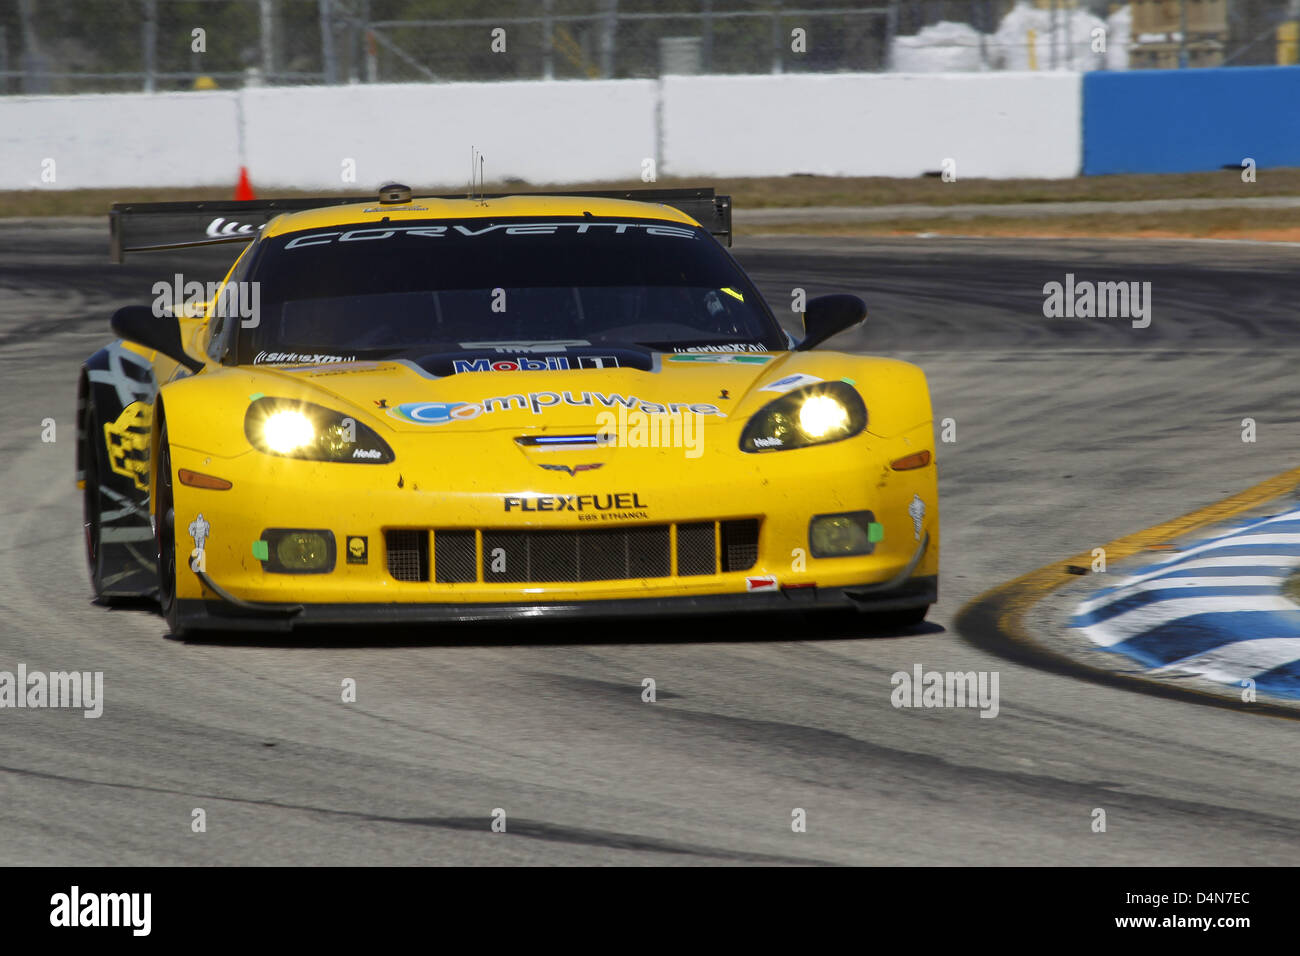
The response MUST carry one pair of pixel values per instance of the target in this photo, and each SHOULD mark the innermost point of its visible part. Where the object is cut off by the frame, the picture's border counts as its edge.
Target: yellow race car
(417, 409)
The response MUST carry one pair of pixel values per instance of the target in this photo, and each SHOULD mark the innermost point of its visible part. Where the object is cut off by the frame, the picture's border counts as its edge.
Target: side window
(221, 328)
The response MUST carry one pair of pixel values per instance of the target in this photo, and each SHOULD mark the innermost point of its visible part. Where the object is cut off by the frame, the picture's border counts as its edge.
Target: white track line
(1230, 561)
(1142, 619)
(1161, 584)
(1236, 661)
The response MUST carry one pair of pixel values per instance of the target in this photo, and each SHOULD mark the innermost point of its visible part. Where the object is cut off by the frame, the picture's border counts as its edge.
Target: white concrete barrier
(994, 125)
(118, 139)
(999, 125)
(565, 131)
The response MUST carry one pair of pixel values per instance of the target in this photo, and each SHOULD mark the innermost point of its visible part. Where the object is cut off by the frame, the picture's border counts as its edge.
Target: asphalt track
(1070, 432)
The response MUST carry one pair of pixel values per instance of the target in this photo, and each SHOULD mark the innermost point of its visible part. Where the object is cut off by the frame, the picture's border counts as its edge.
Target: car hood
(408, 398)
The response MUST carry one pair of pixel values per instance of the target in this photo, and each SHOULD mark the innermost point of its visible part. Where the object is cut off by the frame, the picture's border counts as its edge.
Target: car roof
(424, 209)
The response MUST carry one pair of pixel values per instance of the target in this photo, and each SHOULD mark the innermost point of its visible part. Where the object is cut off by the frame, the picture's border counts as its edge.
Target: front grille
(598, 554)
(408, 554)
(453, 557)
(695, 549)
(540, 556)
(739, 544)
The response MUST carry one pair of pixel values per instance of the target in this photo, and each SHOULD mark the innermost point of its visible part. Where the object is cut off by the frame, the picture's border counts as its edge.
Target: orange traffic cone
(244, 189)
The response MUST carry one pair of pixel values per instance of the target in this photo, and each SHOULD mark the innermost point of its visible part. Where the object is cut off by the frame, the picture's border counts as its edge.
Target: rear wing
(151, 226)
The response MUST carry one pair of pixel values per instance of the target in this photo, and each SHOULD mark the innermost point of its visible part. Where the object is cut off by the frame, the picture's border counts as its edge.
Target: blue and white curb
(1214, 610)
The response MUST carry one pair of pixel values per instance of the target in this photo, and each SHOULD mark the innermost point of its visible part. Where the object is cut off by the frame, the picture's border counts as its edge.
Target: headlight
(812, 415)
(280, 426)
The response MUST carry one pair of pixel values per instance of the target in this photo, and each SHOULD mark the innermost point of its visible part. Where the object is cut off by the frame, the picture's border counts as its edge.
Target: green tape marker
(848, 381)
(255, 396)
(875, 532)
(262, 551)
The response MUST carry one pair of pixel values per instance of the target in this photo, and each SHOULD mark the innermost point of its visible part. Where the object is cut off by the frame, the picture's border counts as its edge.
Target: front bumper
(218, 615)
(781, 492)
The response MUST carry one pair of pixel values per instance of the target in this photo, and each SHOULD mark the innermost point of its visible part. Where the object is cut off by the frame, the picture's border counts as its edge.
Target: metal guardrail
(51, 46)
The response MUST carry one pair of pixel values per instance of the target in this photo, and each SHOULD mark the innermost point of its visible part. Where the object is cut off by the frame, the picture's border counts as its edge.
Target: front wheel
(91, 508)
(164, 521)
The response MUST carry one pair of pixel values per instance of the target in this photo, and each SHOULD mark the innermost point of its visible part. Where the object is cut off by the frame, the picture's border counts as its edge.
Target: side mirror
(138, 324)
(828, 315)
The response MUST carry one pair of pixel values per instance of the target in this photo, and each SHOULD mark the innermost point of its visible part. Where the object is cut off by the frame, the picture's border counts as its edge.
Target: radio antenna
(475, 160)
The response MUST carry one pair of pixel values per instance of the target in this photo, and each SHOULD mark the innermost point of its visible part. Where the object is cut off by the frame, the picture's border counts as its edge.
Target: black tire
(164, 514)
(91, 500)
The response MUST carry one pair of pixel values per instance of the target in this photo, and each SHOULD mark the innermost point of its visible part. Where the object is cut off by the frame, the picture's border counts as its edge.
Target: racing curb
(994, 621)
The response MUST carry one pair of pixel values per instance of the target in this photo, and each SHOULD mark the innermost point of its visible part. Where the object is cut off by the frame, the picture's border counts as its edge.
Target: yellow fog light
(285, 430)
(822, 415)
(296, 551)
(833, 536)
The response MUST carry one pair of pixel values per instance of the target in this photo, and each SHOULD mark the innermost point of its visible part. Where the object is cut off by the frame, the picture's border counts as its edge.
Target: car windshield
(417, 288)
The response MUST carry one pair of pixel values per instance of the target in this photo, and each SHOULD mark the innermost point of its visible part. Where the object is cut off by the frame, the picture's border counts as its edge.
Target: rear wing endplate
(148, 227)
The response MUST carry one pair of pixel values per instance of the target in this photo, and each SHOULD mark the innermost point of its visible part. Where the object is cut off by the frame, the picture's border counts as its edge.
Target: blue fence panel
(1195, 120)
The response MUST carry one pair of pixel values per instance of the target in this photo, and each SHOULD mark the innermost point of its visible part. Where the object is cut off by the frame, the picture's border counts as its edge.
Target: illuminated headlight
(286, 430)
(812, 415)
(279, 426)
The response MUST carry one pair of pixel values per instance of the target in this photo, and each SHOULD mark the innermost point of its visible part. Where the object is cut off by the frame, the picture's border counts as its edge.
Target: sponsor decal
(397, 208)
(381, 402)
(441, 413)
(127, 441)
(917, 510)
(521, 363)
(790, 383)
(300, 358)
(435, 413)
(580, 228)
(358, 549)
(723, 359)
(343, 368)
(763, 583)
(366, 453)
(768, 442)
(199, 530)
(572, 469)
(221, 227)
(735, 347)
(617, 501)
(557, 346)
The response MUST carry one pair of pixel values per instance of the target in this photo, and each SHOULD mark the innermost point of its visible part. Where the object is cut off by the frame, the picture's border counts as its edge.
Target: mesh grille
(604, 554)
(453, 557)
(695, 551)
(739, 544)
(408, 554)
